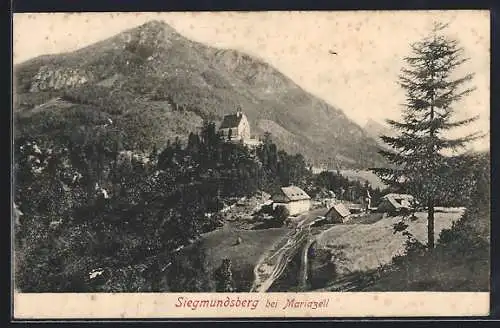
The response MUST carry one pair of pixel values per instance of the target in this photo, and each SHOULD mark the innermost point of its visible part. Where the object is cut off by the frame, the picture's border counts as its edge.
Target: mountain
(376, 130)
(154, 84)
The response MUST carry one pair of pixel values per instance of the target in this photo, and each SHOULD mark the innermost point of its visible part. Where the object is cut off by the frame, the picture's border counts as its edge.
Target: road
(272, 264)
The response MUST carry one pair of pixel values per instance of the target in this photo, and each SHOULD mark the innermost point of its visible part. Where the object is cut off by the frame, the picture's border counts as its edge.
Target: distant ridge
(376, 130)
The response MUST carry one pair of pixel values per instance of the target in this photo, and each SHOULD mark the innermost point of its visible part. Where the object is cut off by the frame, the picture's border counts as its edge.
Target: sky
(361, 80)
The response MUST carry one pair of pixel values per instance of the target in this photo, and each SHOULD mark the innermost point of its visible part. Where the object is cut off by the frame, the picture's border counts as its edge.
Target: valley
(148, 162)
(304, 257)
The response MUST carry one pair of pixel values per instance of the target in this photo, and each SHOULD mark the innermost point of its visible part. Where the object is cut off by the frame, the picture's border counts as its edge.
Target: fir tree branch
(449, 125)
(454, 144)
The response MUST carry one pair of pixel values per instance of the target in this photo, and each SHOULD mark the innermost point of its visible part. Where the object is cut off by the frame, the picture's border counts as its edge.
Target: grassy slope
(155, 62)
(460, 265)
(147, 126)
(361, 247)
(220, 244)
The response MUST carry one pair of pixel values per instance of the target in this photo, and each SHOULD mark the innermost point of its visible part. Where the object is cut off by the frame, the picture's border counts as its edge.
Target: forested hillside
(88, 207)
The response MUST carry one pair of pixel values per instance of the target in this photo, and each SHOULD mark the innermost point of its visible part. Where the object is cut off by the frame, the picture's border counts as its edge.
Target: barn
(393, 203)
(293, 198)
(338, 213)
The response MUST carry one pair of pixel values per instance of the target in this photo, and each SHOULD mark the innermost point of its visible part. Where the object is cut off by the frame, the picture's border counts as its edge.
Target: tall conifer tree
(432, 88)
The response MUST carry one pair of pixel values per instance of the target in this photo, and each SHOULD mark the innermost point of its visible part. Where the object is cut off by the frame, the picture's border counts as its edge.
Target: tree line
(89, 205)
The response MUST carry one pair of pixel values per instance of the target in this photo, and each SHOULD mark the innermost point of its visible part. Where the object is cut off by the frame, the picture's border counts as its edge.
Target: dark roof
(340, 209)
(231, 121)
(398, 200)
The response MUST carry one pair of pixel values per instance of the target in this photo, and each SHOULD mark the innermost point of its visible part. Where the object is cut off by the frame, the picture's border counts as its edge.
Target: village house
(236, 128)
(392, 203)
(338, 213)
(293, 198)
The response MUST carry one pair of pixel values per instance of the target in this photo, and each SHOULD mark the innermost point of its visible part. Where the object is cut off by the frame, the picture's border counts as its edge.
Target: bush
(187, 273)
(267, 209)
(211, 222)
(462, 237)
(280, 214)
(224, 277)
(214, 205)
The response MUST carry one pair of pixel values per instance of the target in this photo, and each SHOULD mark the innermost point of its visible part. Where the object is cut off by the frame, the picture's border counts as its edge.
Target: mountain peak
(157, 85)
(375, 127)
(376, 130)
(154, 28)
(156, 25)
(371, 121)
(150, 38)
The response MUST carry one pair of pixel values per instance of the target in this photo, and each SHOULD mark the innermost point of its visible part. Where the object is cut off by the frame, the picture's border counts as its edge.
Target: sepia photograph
(296, 154)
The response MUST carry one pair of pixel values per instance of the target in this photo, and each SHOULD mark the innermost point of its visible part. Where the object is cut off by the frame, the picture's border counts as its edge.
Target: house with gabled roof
(396, 202)
(293, 198)
(338, 213)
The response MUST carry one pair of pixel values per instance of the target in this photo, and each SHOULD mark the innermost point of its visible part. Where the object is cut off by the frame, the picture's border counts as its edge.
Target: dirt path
(272, 264)
(304, 264)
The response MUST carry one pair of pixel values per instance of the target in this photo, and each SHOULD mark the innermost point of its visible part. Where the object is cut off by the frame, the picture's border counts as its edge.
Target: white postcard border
(249, 305)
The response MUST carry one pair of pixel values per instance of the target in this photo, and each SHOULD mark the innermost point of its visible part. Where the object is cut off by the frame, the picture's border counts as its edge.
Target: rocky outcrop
(52, 78)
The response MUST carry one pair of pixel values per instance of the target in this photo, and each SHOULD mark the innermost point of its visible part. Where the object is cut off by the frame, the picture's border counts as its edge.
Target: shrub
(224, 277)
(215, 205)
(267, 209)
(281, 213)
